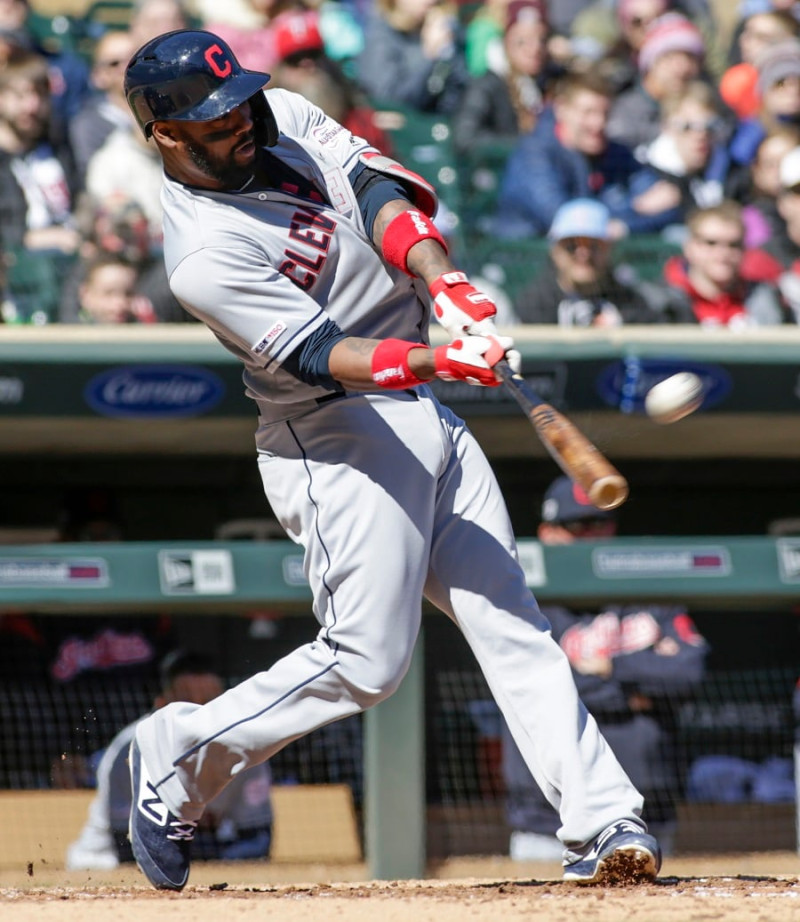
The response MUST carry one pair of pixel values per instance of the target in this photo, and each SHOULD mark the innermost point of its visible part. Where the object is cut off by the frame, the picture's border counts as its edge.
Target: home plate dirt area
(761, 887)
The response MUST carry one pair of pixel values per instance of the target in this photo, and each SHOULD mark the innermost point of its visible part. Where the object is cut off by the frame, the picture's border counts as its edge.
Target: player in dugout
(237, 823)
(316, 262)
(633, 664)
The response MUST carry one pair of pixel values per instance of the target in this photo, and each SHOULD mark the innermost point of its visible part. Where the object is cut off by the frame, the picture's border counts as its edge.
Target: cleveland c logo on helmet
(216, 52)
(191, 75)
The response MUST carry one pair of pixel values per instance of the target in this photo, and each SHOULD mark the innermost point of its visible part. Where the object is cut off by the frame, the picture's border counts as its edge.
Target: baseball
(674, 397)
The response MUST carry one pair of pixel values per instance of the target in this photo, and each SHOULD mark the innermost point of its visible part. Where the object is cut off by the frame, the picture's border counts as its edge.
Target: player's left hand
(461, 308)
(472, 359)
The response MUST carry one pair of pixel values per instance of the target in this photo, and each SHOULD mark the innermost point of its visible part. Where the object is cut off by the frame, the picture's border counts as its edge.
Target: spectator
(304, 67)
(498, 106)
(612, 34)
(579, 285)
(483, 36)
(116, 226)
(126, 166)
(68, 72)
(779, 89)
(107, 293)
(784, 245)
(413, 55)
(237, 823)
(671, 55)
(568, 155)
(153, 17)
(716, 282)
(632, 665)
(106, 109)
(687, 165)
(37, 171)
(761, 216)
(738, 86)
(252, 38)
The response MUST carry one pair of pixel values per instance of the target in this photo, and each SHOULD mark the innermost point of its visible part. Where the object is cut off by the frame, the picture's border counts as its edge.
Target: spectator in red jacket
(716, 282)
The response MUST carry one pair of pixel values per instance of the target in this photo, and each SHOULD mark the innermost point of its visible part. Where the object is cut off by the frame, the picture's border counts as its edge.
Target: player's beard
(225, 171)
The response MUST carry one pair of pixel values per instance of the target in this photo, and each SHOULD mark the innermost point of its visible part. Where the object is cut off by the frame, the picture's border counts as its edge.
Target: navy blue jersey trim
(250, 717)
(373, 190)
(309, 361)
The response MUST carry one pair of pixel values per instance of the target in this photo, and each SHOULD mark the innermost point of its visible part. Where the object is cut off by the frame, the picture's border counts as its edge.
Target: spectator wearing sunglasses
(688, 165)
(580, 286)
(716, 282)
(106, 109)
(672, 55)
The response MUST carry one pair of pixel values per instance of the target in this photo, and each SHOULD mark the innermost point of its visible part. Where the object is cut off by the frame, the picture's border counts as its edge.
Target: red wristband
(390, 364)
(403, 232)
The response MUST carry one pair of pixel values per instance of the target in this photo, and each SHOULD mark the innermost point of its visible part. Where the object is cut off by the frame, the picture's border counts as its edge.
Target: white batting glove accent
(513, 357)
(471, 359)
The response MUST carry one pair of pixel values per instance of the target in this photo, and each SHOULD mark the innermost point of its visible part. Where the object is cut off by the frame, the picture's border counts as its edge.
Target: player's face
(222, 151)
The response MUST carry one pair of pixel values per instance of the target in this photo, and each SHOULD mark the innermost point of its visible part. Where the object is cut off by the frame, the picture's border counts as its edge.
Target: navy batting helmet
(193, 76)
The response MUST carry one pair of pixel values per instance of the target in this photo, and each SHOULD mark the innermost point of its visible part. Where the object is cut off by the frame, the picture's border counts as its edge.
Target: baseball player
(236, 825)
(632, 664)
(316, 262)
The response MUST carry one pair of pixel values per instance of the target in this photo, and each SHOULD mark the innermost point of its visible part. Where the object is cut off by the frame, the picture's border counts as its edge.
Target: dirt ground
(762, 887)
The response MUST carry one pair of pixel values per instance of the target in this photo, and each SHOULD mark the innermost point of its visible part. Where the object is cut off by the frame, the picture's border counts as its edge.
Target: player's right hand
(472, 359)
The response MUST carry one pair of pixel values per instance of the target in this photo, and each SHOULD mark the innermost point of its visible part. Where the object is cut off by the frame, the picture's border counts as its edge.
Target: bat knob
(608, 492)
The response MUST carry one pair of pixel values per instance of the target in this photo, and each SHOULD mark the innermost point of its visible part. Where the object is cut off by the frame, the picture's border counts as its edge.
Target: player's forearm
(426, 259)
(351, 363)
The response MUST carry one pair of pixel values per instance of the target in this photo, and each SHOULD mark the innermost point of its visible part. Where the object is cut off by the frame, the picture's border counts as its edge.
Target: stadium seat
(34, 284)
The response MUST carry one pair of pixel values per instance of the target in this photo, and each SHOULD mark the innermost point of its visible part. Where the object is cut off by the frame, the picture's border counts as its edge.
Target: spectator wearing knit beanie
(778, 86)
(670, 57)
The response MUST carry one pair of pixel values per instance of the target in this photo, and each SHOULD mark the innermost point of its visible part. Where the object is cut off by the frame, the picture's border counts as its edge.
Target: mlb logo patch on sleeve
(269, 337)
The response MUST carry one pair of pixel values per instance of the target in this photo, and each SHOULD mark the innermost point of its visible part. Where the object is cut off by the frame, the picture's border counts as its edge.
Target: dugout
(155, 418)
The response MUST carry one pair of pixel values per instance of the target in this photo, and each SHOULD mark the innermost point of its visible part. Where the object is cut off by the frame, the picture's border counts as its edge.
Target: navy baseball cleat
(622, 854)
(160, 840)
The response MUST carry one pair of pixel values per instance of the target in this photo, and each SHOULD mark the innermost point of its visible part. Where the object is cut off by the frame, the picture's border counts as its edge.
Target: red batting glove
(460, 307)
(471, 359)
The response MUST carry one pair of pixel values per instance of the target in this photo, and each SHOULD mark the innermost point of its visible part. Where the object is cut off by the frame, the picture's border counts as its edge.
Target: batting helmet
(193, 76)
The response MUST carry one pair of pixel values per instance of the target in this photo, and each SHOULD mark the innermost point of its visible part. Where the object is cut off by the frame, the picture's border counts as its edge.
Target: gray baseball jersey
(264, 268)
(388, 493)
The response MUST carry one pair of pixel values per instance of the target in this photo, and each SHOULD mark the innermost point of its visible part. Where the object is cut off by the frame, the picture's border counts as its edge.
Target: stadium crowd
(599, 122)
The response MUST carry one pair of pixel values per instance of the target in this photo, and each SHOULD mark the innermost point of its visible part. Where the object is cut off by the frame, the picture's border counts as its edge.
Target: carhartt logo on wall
(148, 391)
(632, 562)
(53, 572)
(789, 559)
(196, 572)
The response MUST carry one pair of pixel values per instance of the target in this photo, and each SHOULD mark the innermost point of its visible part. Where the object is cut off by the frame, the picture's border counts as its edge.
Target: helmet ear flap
(266, 126)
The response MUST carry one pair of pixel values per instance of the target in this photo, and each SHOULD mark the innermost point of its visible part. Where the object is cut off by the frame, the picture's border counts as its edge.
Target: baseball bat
(577, 457)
